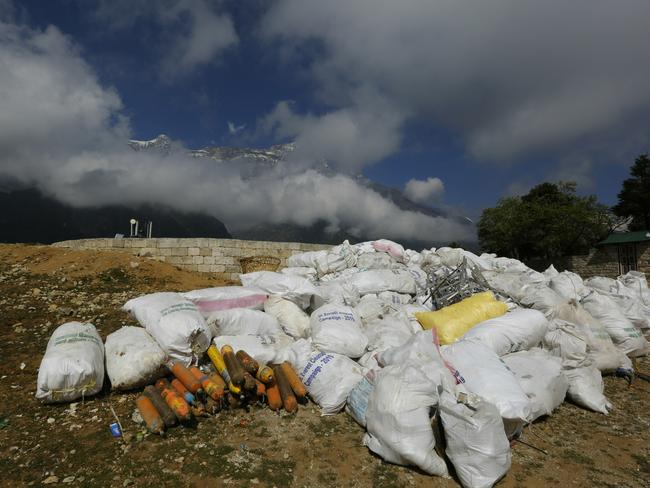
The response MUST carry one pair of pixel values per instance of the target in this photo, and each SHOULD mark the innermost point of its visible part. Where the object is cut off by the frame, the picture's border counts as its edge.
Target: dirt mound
(84, 264)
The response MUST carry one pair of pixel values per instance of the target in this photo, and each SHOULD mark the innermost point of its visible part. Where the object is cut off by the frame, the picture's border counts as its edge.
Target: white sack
(393, 248)
(73, 364)
(298, 290)
(392, 330)
(337, 328)
(542, 298)
(335, 292)
(375, 260)
(409, 311)
(395, 299)
(477, 445)
(297, 353)
(586, 389)
(305, 259)
(175, 323)
(397, 418)
(133, 358)
(242, 321)
(568, 285)
(210, 300)
(600, 348)
(290, 316)
(371, 308)
(302, 271)
(329, 378)
(338, 259)
(357, 402)
(569, 342)
(623, 333)
(486, 375)
(518, 330)
(540, 376)
(378, 280)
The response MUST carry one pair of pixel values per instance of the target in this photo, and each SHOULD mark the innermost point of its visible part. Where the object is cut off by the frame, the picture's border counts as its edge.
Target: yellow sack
(453, 321)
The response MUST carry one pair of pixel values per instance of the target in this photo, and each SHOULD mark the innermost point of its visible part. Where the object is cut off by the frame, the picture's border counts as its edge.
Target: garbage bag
(486, 375)
(397, 418)
(357, 402)
(476, 443)
(623, 333)
(454, 321)
(209, 300)
(337, 328)
(517, 330)
(600, 348)
(378, 280)
(73, 364)
(540, 376)
(242, 321)
(329, 378)
(175, 323)
(133, 358)
(586, 389)
(295, 288)
(290, 316)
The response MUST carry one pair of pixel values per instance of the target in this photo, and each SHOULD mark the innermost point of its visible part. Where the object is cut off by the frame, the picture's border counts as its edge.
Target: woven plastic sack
(73, 364)
(453, 321)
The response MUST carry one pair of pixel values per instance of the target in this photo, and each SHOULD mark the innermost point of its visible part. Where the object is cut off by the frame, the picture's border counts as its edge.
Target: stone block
(193, 251)
(197, 260)
(179, 251)
(203, 268)
(167, 242)
(208, 260)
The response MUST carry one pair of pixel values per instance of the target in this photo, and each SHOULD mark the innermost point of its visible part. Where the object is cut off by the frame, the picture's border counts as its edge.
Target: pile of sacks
(356, 325)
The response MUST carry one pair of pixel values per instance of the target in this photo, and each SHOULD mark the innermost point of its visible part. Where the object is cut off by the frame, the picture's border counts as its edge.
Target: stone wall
(601, 261)
(220, 256)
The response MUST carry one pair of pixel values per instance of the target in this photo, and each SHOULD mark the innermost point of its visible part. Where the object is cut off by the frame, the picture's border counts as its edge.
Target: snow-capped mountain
(274, 156)
(161, 143)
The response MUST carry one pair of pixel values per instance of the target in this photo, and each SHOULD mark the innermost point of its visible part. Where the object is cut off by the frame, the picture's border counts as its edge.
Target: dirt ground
(70, 444)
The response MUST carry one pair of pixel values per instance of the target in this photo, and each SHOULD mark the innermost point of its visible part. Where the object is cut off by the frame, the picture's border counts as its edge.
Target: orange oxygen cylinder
(165, 412)
(288, 398)
(296, 385)
(248, 363)
(213, 390)
(260, 390)
(185, 377)
(179, 406)
(273, 396)
(150, 415)
(264, 374)
(235, 369)
(182, 391)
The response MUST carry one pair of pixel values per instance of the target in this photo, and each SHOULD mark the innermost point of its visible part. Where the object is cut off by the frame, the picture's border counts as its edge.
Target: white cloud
(63, 132)
(234, 129)
(511, 78)
(424, 191)
(194, 33)
(348, 139)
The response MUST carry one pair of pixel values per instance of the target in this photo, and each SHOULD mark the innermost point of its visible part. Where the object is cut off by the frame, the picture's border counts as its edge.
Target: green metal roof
(626, 237)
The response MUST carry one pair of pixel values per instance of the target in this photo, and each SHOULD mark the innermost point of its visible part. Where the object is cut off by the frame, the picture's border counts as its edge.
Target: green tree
(548, 222)
(634, 198)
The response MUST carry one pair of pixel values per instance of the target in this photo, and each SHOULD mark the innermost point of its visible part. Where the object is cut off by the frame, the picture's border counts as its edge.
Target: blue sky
(489, 99)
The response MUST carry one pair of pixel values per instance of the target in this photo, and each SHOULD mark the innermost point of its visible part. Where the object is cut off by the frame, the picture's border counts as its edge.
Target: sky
(458, 104)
